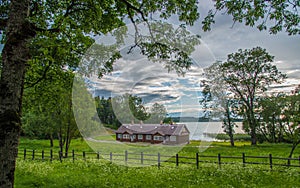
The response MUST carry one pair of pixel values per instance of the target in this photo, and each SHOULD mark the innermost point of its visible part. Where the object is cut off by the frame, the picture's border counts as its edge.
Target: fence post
(219, 160)
(83, 155)
(110, 156)
(158, 160)
(270, 159)
(177, 159)
(244, 159)
(51, 155)
(197, 160)
(98, 155)
(73, 155)
(43, 155)
(33, 154)
(24, 154)
(142, 158)
(126, 156)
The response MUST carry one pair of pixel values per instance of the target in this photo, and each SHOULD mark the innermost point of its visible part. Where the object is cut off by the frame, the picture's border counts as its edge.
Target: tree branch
(57, 28)
(41, 78)
(138, 10)
(3, 23)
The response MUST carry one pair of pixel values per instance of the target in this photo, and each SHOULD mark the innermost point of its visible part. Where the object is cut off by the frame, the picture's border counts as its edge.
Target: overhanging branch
(3, 23)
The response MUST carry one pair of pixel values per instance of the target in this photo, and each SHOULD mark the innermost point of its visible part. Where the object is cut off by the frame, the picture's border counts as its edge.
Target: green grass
(279, 149)
(101, 173)
(76, 144)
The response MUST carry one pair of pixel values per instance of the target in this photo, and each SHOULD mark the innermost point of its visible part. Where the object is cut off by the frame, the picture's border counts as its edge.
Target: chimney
(132, 122)
(141, 122)
(161, 122)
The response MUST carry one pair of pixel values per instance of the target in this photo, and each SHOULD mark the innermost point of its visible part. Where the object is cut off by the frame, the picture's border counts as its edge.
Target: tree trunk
(14, 57)
(295, 144)
(253, 125)
(51, 140)
(253, 137)
(231, 140)
(60, 141)
(230, 124)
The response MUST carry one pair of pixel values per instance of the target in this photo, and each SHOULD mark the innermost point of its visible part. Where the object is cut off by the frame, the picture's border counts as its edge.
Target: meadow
(102, 173)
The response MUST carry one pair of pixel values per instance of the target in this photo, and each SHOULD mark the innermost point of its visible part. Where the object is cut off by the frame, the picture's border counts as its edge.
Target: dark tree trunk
(231, 140)
(295, 144)
(230, 124)
(60, 140)
(14, 57)
(51, 140)
(253, 137)
(253, 126)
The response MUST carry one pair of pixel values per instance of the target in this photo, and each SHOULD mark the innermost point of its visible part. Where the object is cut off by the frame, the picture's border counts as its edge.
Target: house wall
(179, 139)
(182, 139)
(156, 141)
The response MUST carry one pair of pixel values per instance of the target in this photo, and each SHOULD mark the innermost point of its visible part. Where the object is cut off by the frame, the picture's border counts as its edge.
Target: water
(198, 129)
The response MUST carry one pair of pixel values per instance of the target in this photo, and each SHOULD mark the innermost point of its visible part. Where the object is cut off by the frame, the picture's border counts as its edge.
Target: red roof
(163, 129)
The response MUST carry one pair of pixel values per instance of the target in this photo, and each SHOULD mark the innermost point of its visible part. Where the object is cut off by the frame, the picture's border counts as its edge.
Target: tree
(129, 108)
(157, 113)
(275, 15)
(291, 119)
(48, 109)
(248, 73)
(271, 126)
(217, 101)
(30, 27)
(106, 113)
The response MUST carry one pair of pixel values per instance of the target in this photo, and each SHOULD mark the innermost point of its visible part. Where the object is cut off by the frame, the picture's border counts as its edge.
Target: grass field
(101, 173)
(279, 150)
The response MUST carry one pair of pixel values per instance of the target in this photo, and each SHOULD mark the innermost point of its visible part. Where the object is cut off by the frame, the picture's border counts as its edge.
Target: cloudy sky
(151, 81)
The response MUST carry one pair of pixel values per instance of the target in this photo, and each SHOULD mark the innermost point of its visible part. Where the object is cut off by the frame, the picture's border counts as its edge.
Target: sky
(151, 81)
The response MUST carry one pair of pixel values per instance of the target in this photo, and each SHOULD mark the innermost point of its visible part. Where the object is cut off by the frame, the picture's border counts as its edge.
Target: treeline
(128, 108)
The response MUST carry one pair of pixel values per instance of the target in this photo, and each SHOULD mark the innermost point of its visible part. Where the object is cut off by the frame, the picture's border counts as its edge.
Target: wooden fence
(151, 159)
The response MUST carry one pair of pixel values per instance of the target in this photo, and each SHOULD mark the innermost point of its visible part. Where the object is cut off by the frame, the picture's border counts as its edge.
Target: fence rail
(142, 158)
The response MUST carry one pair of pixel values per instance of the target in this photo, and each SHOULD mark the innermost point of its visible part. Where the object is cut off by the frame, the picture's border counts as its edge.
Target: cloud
(135, 74)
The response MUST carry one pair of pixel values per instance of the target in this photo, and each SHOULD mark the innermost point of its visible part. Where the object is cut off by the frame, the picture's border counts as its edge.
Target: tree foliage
(280, 119)
(275, 15)
(46, 30)
(248, 73)
(48, 109)
(271, 126)
(218, 102)
(157, 113)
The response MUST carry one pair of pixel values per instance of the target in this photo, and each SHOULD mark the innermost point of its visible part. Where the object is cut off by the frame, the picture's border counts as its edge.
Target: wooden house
(153, 133)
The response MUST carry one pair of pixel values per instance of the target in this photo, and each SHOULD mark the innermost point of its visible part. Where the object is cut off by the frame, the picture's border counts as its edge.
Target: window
(125, 136)
(160, 138)
(133, 136)
(173, 138)
(119, 136)
(148, 137)
(140, 137)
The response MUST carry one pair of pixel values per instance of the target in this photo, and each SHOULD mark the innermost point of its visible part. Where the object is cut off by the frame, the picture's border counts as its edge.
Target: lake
(198, 129)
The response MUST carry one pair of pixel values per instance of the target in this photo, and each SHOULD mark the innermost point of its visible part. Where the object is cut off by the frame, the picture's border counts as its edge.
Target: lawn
(93, 173)
(209, 148)
(102, 173)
